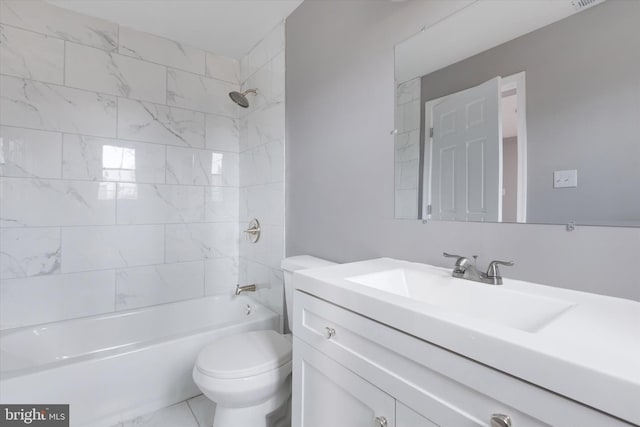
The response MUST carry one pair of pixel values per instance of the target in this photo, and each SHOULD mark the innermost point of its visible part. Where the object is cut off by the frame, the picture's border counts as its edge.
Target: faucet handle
(494, 271)
(446, 255)
(462, 262)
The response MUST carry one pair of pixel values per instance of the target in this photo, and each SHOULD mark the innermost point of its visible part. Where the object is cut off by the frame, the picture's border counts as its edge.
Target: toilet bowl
(248, 375)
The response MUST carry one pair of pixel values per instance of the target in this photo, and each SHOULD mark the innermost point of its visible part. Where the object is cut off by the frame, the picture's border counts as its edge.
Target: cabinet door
(406, 417)
(327, 394)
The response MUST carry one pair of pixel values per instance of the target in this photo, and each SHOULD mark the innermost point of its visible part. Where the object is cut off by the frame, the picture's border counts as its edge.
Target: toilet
(248, 375)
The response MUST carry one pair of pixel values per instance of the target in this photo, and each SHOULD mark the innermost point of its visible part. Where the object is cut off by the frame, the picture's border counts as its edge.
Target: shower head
(241, 98)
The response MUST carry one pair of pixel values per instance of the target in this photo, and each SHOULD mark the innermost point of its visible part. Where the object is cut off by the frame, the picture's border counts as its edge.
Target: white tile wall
(123, 167)
(41, 17)
(32, 104)
(222, 133)
(96, 70)
(144, 121)
(221, 204)
(104, 247)
(270, 83)
(188, 242)
(263, 164)
(268, 250)
(222, 68)
(200, 93)
(143, 286)
(220, 275)
(29, 252)
(49, 298)
(157, 204)
(190, 166)
(263, 52)
(31, 55)
(262, 138)
(119, 174)
(264, 201)
(30, 153)
(38, 202)
(106, 159)
(269, 281)
(161, 51)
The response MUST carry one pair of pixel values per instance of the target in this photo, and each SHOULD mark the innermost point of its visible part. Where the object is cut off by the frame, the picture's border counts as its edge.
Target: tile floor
(195, 412)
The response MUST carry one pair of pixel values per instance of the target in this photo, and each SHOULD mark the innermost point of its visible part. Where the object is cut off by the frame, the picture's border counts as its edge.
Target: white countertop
(590, 353)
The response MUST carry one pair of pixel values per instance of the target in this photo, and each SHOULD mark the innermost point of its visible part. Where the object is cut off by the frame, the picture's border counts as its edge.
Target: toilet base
(254, 416)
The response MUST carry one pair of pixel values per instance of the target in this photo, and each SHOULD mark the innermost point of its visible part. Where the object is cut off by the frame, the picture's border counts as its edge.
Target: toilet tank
(291, 264)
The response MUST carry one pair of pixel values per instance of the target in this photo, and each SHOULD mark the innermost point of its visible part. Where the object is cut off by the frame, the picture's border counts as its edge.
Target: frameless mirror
(522, 111)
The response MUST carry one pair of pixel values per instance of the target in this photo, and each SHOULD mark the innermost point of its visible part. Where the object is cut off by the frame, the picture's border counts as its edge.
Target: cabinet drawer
(444, 387)
(327, 394)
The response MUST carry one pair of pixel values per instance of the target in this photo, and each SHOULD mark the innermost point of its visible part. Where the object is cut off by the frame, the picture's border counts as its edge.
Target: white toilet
(248, 375)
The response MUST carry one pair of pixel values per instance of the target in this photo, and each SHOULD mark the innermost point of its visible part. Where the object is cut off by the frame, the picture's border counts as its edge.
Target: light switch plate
(565, 179)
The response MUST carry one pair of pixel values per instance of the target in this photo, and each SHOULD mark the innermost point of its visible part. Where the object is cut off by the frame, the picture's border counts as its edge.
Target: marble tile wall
(262, 138)
(407, 149)
(119, 175)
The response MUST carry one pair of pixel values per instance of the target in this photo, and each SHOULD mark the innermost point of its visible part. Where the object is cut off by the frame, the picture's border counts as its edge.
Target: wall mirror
(522, 111)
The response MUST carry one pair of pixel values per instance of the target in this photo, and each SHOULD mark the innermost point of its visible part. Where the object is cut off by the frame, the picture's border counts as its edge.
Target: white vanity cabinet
(351, 371)
(332, 395)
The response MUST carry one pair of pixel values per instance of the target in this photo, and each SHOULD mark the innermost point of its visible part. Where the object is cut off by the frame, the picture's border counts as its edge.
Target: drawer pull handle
(330, 332)
(500, 420)
(381, 422)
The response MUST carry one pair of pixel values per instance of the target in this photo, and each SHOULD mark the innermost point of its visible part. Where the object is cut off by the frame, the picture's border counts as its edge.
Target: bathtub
(114, 367)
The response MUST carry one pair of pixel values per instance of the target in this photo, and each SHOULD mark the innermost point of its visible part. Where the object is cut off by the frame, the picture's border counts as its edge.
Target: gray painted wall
(583, 104)
(340, 178)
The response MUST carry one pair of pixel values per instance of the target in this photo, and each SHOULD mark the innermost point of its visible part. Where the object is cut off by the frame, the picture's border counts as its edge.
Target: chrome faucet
(246, 288)
(465, 269)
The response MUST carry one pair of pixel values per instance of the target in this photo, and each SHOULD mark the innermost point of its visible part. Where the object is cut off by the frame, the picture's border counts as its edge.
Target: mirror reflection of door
(477, 153)
(466, 147)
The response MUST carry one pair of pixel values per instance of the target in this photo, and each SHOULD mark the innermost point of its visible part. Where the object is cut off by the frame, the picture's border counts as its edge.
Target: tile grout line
(61, 157)
(116, 51)
(193, 414)
(145, 224)
(166, 86)
(64, 63)
(204, 277)
(123, 268)
(164, 239)
(137, 141)
(146, 183)
(94, 92)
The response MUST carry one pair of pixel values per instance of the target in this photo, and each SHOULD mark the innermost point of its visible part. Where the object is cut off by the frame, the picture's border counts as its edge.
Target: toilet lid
(244, 355)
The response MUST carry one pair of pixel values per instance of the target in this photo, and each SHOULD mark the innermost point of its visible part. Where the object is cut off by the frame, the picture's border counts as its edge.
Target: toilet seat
(244, 355)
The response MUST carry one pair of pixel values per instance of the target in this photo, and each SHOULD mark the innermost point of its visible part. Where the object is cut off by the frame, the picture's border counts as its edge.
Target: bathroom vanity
(392, 343)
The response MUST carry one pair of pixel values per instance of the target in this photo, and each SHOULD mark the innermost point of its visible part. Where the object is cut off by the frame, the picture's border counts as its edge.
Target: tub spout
(246, 288)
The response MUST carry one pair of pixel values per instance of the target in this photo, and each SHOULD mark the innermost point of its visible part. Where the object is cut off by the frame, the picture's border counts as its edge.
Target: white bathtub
(114, 367)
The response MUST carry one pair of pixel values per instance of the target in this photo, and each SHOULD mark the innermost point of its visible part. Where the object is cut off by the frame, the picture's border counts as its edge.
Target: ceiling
(226, 27)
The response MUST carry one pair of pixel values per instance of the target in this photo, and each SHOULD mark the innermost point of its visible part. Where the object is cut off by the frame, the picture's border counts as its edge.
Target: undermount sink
(515, 309)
